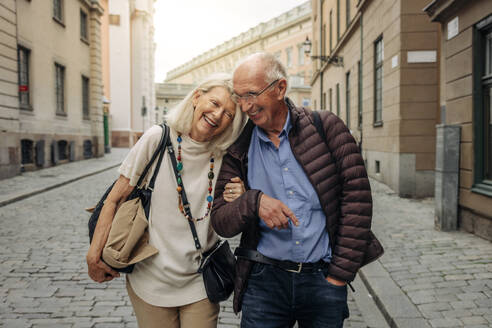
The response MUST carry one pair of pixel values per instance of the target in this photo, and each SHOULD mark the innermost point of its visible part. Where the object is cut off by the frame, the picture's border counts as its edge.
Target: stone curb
(393, 303)
(24, 195)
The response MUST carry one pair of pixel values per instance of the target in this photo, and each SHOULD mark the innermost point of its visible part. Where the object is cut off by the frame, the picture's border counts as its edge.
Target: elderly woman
(165, 289)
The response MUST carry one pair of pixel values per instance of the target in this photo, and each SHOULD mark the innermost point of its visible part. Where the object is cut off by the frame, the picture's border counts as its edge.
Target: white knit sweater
(170, 278)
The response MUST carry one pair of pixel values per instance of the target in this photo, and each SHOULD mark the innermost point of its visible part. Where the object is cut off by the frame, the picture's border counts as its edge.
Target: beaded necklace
(179, 167)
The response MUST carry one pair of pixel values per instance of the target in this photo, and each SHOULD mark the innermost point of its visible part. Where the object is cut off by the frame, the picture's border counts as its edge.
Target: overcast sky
(187, 28)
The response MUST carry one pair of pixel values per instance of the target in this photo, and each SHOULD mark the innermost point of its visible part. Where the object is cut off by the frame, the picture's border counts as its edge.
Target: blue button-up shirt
(276, 172)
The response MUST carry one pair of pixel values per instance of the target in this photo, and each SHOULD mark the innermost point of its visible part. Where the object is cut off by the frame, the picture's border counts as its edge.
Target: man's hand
(276, 214)
(335, 282)
(100, 271)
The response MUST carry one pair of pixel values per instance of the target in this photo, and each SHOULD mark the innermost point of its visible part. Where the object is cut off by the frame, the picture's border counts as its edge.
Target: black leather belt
(290, 266)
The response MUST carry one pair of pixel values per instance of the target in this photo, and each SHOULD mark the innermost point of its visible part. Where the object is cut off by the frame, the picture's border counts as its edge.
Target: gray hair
(180, 117)
(274, 69)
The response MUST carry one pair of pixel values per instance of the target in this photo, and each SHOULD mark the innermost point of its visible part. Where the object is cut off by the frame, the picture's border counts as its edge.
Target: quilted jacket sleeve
(355, 215)
(230, 219)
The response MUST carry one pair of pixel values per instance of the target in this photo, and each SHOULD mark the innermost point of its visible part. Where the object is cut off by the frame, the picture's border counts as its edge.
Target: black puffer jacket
(337, 174)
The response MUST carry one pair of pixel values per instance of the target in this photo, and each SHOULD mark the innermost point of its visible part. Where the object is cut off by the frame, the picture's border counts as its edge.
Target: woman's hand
(234, 189)
(100, 271)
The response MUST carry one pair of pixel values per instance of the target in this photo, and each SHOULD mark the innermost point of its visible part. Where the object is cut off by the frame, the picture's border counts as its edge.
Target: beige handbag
(128, 240)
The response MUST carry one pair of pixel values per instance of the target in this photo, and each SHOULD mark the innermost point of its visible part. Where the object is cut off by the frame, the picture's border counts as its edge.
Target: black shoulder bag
(217, 264)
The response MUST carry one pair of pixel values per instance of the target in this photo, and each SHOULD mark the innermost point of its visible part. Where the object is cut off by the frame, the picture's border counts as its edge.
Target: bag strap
(319, 125)
(162, 150)
(184, 199)
(165, 130)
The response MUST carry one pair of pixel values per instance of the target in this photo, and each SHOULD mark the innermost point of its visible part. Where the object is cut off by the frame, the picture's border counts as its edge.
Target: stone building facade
(465, 99)
(282, 36)
(131, 56)
(9, 103)
(379, 73)
(55, 104)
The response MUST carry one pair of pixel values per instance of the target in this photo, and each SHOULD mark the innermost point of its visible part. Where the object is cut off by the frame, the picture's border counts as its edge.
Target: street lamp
(335, 60)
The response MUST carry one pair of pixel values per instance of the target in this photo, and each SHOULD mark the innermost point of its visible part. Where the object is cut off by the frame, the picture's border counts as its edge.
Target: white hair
(180, 117)
(274, 69)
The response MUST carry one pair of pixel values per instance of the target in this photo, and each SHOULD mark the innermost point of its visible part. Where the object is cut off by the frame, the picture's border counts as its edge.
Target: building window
(296, 81)
(347, 5)
(62, 149)
(359, 95)
(27, 151)
(306, 102)
(331, 30)
(338, 99)
(338, 20)
(378, 81)
(23, 55)
(288, 52)
(300, 55)
(330, 99)
(58, 10)
(84, 34)
(60, 89)
(482, 102)
(85, 97)
(347, 99)
(87, 147)
(114, 20)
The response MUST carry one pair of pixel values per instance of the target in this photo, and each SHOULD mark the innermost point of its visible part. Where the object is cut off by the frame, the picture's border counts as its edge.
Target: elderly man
(305, 216)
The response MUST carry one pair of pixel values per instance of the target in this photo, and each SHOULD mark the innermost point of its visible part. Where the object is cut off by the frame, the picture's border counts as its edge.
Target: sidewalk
(426, 278)
(31, 183)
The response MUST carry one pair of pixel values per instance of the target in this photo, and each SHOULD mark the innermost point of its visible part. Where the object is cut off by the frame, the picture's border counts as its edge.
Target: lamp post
(335, 60)
(106, 102)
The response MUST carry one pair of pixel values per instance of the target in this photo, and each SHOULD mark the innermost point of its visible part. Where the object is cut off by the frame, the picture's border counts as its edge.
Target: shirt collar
(285, 131)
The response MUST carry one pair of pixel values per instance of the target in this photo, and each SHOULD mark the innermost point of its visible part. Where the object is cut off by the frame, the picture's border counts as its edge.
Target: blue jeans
(275, 298)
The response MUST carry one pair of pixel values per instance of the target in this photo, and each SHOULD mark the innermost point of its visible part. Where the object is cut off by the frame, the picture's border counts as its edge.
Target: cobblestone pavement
(447, 276)
(43, 279)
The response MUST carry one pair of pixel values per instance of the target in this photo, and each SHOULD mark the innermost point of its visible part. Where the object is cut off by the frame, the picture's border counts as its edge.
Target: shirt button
(297, 242)
(286, 169)
(291, 192)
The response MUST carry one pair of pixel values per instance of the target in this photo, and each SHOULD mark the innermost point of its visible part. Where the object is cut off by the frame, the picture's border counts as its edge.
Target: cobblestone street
(43, 279)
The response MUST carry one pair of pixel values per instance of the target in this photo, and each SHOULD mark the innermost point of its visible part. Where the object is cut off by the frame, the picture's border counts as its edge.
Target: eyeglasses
(250, 97)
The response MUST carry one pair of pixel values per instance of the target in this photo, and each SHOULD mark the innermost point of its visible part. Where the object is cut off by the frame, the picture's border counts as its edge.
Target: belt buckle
(299, 268)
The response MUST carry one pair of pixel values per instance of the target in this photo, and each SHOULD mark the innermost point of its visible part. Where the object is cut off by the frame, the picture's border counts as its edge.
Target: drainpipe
(360, 77)
(320, 6)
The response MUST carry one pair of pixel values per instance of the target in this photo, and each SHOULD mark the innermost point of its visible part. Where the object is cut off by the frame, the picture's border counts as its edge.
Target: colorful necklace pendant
(179, 167)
